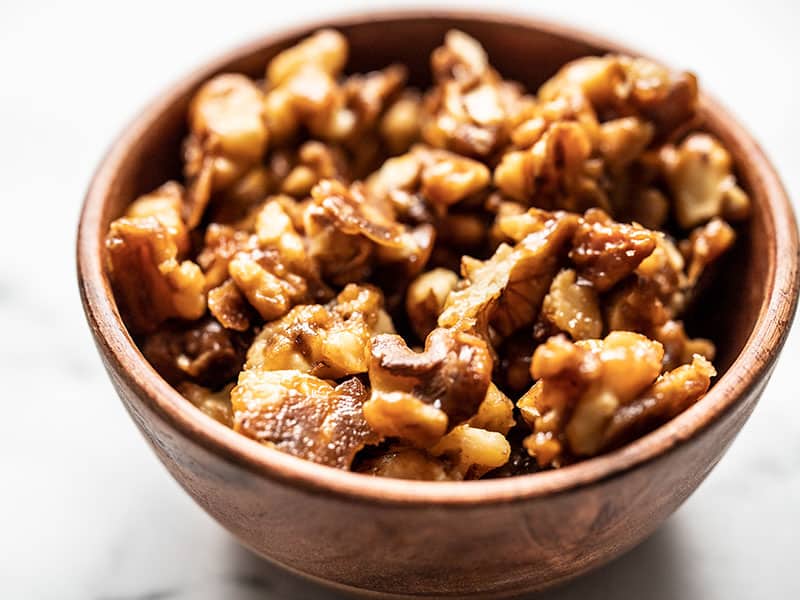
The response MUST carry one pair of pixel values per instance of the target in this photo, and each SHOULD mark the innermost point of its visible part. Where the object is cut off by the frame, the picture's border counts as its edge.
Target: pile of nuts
(468, 281)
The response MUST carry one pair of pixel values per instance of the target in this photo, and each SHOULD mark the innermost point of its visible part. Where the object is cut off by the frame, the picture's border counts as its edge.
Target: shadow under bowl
(496, 537)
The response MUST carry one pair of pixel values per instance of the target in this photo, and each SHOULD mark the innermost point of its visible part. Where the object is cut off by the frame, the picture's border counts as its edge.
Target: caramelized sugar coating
(471, 280)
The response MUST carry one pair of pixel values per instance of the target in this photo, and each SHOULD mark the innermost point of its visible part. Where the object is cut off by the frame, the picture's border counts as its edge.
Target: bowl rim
(124, 360)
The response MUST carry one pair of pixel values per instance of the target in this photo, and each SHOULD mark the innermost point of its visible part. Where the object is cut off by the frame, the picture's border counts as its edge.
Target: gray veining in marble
(86, 511)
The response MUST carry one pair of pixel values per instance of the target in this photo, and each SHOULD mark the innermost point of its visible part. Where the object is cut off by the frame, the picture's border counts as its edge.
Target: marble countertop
(86, 511)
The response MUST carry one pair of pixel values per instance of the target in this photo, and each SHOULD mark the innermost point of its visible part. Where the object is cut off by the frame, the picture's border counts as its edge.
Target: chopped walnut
(203, 352)
(406, 462)
(573, 307)
(584, 387)
(417, 396)
(303, 415)
(473, 451)
(605, 252)
(700, 175)
(705, 245)
(329, 341)
(506, 291)
(216, 405)
(150, 283)
(426, 297)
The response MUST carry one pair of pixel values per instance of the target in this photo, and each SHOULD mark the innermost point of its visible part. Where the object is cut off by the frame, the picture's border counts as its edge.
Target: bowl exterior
(494, 549)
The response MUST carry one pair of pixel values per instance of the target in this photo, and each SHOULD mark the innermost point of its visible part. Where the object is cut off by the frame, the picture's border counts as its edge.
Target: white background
(85, 509)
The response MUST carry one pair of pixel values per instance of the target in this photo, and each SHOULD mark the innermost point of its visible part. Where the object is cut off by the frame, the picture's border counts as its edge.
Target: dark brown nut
(303, 415)
(330, 341)
(506, 291)
(605, 252)
(406, 462)
(573, 307)
(705, 245)
(201, 352)
(228, 306)
(671, 394)
(473, 452)
(700, 175)
(426, 297)
(416, 396)
(150, 284)
(216, 405)
(512, 370)
(579, 389)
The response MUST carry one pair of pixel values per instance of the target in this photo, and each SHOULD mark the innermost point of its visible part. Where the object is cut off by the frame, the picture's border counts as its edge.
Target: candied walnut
(415, 396)
(507, 290)
(347, 229)
(303, 415)
(470, 110)
(233, 205)
(700, 175)
(621, 86)
(202, 352)
(495, 413)
(425, 182)
(326, 49)
(150, 284)
(605, 252)
(473, 451)
(221, 244)
(555, 172)
(314, 162)
(228, 306)
(267, 284)
(680, 348)
(573, 307)
(216, 405)
(579, 389)
(426, 297)
(399, 126)
(670, 395)
(405, 462)
(705, 245)
(326, 341)
(624, 140)
(227, 136)
(165, 204)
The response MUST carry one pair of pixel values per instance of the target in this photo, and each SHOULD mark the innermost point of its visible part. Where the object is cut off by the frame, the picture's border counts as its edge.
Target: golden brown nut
(473, 451)
(679, 348)
(416, 396)
(165, 203)
(605, 252)
(573, 307)
(580, 387)
(227, 136)
(216, 405)
(406, 462)
(229, 306)
(399, 126)
(314, 162)
(150, 284)
(327, 341)
(705, 245)
(700, 175)
(202, 352)
(303, 415)
(506, 291)
(426, 297)
(495, 413)
(671, 394)
(326, 49)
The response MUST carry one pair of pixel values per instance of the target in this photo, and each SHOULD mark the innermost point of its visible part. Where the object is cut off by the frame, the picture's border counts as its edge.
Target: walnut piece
(418, 396)
(303, 415)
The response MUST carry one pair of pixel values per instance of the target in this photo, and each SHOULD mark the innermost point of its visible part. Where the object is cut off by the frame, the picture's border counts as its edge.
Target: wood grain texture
(489, 538)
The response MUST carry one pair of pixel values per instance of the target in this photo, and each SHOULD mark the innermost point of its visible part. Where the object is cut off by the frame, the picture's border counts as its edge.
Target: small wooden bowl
(497, 537)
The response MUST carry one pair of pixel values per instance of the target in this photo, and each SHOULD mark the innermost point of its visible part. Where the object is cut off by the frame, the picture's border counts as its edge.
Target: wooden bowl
(497, 537)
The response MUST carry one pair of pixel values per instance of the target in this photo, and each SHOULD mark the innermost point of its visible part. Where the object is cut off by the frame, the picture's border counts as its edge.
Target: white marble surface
(86, 511)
